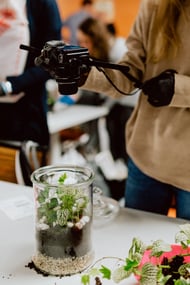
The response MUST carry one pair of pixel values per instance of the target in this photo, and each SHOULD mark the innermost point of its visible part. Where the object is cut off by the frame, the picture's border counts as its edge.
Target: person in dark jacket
(25, 119)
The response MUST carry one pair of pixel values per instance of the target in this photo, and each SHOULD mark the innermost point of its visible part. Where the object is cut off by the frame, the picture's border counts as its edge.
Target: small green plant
(159, 270)
(58, 207)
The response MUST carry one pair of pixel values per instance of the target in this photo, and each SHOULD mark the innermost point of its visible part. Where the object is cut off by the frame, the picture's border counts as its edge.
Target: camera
(65, 63)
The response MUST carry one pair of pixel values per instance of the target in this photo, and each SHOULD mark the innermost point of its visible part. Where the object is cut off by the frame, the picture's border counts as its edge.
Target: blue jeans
(148, 194)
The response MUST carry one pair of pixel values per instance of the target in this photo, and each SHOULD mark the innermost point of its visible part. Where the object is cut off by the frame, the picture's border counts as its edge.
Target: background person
(73, 21)
(92, 34)
(23, 101)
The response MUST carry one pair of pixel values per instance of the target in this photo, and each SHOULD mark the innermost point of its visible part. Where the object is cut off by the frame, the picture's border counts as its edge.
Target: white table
(68, 117)
(17, 239)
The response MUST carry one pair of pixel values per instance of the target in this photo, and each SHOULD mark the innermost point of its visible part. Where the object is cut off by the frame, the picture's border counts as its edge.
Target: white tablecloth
(17, 238)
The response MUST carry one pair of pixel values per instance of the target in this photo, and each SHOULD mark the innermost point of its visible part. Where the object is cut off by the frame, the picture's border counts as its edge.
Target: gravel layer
(65, 266)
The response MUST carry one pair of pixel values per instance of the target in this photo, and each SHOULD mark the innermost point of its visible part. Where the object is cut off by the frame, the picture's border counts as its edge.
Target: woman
(92, 34)
(157, 134)
(22, 89)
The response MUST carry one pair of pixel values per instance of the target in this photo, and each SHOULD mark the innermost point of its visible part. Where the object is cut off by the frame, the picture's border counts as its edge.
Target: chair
(19, 159)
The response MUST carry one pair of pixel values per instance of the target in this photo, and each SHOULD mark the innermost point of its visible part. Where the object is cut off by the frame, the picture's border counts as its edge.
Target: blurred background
(121, 12)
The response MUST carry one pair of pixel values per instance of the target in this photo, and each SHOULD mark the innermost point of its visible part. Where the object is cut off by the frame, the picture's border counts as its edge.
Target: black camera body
(65, 63)
(69, 65)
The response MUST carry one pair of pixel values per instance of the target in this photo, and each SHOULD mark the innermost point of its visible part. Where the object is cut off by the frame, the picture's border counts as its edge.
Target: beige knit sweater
(157, 138)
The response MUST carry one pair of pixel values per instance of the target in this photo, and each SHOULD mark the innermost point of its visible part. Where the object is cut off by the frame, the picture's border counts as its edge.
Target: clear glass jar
(63, 206)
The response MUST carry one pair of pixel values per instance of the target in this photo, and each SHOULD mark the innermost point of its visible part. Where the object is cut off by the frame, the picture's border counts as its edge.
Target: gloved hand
(84, 71)
(160, 89)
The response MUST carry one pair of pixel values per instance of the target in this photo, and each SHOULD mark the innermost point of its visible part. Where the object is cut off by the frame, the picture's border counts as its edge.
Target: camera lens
(67, 88)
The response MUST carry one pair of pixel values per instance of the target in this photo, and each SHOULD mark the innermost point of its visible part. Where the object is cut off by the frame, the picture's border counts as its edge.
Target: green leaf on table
(136, 250)
(149, 274)
(183, 236)
(130, 264)
(106, 272)
(85, 279)
(184, 270)
(120, 273)
(159, 247)
(181, 282)
(94, 271)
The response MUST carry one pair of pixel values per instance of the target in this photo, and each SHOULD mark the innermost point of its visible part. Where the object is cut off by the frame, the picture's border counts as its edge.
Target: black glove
(84, 71)
(160, 89)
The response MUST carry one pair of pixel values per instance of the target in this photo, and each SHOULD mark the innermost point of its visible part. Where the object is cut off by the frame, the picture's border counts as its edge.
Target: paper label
(18, 207)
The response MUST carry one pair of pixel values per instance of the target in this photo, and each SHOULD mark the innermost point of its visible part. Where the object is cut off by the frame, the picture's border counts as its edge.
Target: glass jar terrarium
(63, 203)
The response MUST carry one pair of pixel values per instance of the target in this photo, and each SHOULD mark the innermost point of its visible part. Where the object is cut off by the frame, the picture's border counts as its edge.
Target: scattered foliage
(158, 270)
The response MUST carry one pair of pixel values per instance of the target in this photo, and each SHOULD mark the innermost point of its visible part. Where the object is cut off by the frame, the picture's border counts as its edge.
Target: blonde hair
(165, 37)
